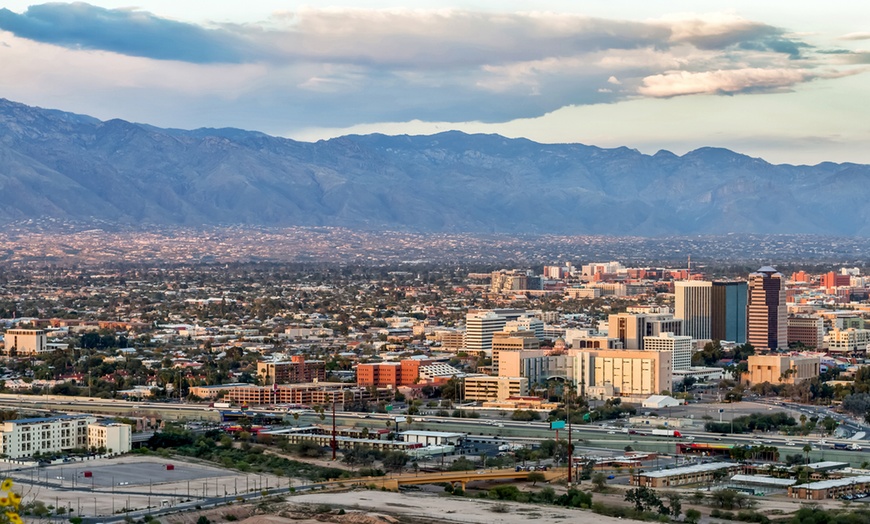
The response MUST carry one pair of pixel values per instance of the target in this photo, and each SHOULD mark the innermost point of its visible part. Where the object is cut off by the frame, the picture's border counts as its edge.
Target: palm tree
(807, 448)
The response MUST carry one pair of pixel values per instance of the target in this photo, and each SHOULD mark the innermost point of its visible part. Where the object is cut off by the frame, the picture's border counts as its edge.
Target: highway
(504, 428)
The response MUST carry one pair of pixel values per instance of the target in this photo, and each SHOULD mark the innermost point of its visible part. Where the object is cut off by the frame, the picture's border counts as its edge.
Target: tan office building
(781, 369)
(485, 388)
(25, 342)
(630, 373)
(507, 348)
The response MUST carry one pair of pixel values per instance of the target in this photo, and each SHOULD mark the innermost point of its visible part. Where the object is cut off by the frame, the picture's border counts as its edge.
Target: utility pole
(334, 443)
(570, 447)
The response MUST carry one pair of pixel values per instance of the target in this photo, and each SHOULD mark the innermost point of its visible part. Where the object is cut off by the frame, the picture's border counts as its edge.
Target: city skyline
(784, 82)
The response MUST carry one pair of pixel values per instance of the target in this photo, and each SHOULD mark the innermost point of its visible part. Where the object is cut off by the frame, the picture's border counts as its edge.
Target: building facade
(692, 304)
(679, 346)
(728, 311)
(25, 342)
(295, 371)
(851, 341)
(486, 388)
(781, 369)
(630, 373)
(631, 328)
(768, 315)
(479, 328)
(25, 437)
(807, 330)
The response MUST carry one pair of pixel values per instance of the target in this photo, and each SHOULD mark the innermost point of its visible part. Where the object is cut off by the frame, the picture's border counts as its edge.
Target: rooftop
(694, 468)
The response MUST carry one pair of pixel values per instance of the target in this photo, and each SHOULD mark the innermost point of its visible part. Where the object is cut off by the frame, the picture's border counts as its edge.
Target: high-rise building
(809, 330)
(631, 328)
(692, 302)
(728, 311)
(680, 348)
(768, 314)
(479, 328)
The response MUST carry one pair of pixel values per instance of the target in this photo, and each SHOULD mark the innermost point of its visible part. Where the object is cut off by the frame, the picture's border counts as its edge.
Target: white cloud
(856, 36)
(613, 80)
(676, 83)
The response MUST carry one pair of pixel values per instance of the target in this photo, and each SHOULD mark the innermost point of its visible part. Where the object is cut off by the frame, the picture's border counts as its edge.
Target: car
(611, 477)
(611, 433)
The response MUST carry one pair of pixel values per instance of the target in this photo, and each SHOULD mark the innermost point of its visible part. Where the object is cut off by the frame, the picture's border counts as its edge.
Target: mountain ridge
(61, 165)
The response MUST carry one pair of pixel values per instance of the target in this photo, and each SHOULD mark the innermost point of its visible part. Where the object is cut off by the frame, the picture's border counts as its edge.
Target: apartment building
(631, 328)
(295, 371)
(24, 437)
(851, 341)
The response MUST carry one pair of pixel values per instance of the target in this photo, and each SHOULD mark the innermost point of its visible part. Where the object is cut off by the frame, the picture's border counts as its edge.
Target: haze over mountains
(73, 167)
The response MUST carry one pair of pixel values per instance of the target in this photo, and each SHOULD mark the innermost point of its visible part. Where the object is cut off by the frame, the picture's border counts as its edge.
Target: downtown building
(692, 304)
(631, 328)
(728, 311)
(768, 314)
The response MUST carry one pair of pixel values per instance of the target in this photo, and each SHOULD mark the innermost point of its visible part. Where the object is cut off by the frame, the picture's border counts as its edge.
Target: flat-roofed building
(630, 373)
(679, 346)
(295, 371)
(113, 437)
(25, 342)
(486, 388)
(829, 489)
(684, 476)
(808, 330)
(392, 374)
(781, 369)
(767, 311)
(26, 437)
(517, 343)
(728, 311)
(631, 328)
(479, 329)
(852, 341)
(692, 304)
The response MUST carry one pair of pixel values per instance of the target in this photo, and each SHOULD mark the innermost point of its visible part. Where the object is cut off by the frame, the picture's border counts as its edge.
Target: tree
(643, 498)
(675, 505)
(395, 460)
(693, 516)
(599, 480)
(806, 449)
(535, 477)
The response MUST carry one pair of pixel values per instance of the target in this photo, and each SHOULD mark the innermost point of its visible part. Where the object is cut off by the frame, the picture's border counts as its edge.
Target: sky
(787, 81)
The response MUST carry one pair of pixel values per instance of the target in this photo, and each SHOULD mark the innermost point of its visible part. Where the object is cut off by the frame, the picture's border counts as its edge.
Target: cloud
(728, 82)
(124, 31)
(856, 36)
(340, 67)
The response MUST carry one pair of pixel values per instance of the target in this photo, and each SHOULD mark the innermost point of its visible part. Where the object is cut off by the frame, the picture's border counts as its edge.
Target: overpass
(462, 478)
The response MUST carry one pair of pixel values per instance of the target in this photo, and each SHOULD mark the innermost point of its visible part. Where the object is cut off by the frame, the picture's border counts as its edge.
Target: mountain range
(65, 166)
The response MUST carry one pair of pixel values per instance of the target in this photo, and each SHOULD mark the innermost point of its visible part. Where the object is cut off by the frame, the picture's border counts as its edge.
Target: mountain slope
(65, 166)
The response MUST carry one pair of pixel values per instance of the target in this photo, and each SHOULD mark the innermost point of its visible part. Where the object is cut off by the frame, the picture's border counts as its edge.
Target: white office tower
(693, 301)
(479, 328)
(679, 346)
(526, 324)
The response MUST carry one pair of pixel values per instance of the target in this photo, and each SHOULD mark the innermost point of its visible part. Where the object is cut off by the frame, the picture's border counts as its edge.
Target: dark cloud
(125, 31)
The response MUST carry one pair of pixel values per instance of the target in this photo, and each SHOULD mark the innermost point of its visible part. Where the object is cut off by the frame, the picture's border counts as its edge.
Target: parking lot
(121, 474)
